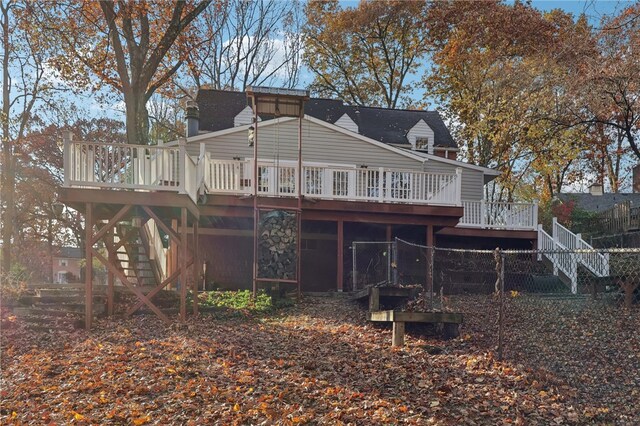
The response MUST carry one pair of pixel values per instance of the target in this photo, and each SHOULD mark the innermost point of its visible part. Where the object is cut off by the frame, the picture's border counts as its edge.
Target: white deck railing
(333, 182)
(499, 215)
(125, 166)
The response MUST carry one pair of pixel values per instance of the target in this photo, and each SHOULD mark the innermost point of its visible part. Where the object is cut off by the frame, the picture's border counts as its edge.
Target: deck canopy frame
(277, 103)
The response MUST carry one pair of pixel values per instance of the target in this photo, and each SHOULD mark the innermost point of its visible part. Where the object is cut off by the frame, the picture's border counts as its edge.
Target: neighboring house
(598, 201)
(616, 212)
(368, 174)
(66, 264)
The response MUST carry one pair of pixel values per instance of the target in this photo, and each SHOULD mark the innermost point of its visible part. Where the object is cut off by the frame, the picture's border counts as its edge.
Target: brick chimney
(636, 179)
(596, 189)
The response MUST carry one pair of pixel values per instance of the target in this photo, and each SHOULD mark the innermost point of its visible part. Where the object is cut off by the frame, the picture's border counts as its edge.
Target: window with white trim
(422, 144)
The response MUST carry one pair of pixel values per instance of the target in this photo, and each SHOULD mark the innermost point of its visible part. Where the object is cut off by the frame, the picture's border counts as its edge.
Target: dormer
(347, 123)
(244, 117)
(421, 137)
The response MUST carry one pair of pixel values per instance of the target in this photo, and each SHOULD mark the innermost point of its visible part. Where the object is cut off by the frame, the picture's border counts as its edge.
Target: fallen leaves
(319, 362)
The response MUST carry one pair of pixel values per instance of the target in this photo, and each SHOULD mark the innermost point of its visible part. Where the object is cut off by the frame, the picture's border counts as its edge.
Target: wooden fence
(620, 218)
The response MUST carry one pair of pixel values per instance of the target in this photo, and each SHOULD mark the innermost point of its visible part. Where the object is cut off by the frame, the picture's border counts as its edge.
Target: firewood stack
(277, 245)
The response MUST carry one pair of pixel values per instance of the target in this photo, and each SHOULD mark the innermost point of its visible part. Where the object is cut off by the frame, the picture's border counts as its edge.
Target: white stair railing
(565, 250)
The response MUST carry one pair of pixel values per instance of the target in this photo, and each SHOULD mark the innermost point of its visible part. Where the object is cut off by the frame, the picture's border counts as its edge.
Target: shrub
(242, 300)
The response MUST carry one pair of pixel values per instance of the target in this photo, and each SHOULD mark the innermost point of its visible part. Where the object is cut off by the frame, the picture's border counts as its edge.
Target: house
(66, 265)
(615, 212)
(367, 174)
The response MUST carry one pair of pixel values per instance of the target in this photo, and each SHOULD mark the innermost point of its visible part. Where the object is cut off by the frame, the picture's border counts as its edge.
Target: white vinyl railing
(565, 250)
(125, 166)
(334, 182)
(499, 215)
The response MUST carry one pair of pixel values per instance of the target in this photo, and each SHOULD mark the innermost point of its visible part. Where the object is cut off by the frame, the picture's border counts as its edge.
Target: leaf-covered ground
(320, 362)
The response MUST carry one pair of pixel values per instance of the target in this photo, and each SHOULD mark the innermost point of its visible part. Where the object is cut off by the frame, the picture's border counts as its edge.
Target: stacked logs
(277, 245)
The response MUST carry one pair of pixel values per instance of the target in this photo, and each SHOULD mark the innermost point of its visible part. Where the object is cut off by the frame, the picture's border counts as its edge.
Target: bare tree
(247, 42)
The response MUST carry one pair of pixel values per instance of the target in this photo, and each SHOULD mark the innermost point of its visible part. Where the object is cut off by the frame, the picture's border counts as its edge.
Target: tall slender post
(110, 277)
(430, 261)
(340, 257)
(197, 266)
(183, 264)
(299, 214)
(256, 213)
(88, 269)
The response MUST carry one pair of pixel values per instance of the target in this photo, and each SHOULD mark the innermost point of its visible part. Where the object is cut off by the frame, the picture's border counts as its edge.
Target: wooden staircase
(134, 258)
(58, 306)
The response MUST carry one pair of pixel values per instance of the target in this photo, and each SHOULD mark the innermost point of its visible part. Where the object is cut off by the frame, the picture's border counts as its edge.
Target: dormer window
(422, 144)
(421, 137)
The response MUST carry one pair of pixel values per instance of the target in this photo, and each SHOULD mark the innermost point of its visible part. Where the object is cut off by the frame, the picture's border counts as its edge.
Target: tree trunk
(8, 177)
(137, 117)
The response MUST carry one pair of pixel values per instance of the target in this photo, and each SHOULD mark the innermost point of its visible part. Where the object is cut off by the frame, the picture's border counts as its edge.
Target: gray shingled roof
(70, 253)
(219, 107)
(600, 203)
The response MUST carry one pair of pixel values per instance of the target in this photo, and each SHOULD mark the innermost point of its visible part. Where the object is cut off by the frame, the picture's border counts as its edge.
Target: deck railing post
(67, 139)
(458, 199)
(182, 175)
(381, 184)
(483, 213)
(535, 214)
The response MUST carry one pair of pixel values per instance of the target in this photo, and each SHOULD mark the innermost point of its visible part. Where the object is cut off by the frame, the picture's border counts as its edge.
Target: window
(422, 144)
(62, 262)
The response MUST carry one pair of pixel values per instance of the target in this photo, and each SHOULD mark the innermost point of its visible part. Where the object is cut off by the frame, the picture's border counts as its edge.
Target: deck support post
(88, 269)
(110, 276)
(183, 264)
(397, 339)
(197, 266)
(430, 261)
(340, 256)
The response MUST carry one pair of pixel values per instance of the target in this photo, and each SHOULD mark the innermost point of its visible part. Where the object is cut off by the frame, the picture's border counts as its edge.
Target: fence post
(499, 258)
(354, 274)
(431, 259)
(389, 263)
(394, 264)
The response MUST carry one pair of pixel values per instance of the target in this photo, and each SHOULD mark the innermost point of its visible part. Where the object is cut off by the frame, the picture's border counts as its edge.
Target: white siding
(319, 144)
(244, 117)
(323, 145)
(347, 123)
(421, 130)
(472, 180)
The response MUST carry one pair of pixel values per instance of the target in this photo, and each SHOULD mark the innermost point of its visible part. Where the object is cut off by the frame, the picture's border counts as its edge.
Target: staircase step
(59, 298)
(58, 310)
(46, 292)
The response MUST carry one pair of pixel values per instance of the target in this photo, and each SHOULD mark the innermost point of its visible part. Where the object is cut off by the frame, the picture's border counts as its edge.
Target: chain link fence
(611, 273)
(374, 264)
